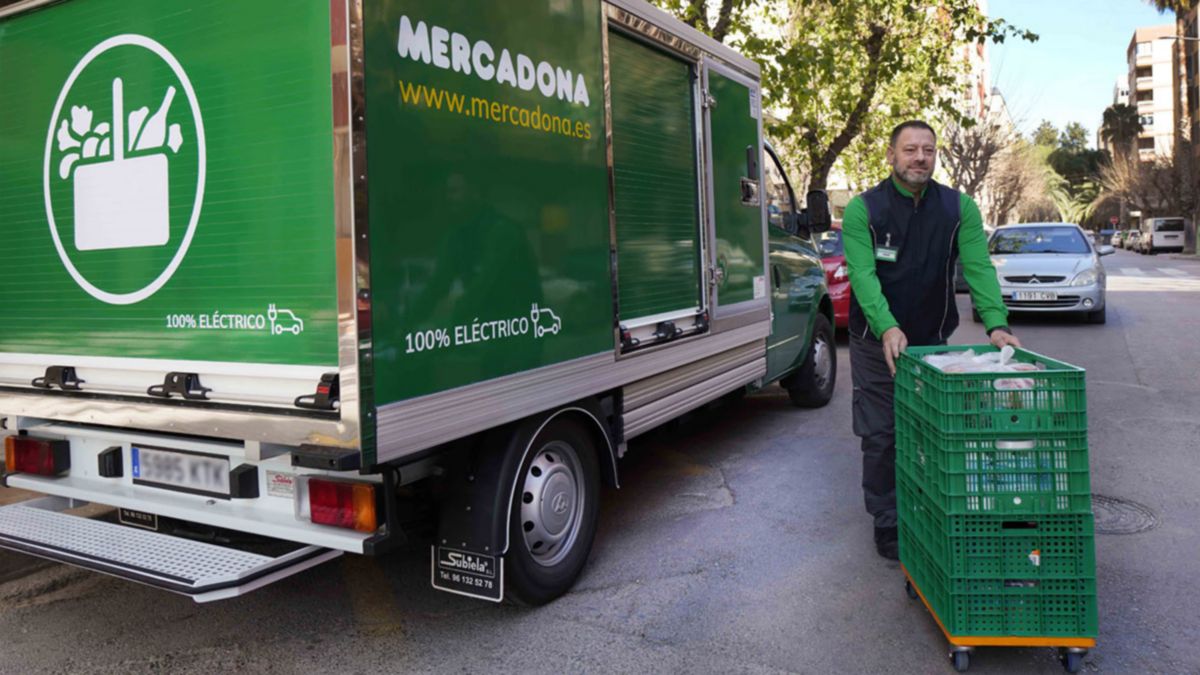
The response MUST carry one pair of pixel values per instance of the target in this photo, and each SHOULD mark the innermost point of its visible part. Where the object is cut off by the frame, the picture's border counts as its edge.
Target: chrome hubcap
(552, 499)
(822, 362)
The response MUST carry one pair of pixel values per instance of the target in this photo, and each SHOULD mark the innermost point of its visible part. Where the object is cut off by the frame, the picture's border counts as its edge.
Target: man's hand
(1000, 338)
(894, 342)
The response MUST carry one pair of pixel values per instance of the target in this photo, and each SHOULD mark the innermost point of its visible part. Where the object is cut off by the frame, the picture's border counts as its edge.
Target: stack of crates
(994, 497)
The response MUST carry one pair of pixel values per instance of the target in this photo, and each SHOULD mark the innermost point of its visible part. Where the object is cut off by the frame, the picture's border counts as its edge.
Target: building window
(1144, 71)
(1147, 120)
(1144, 48)
(1145, 96)
(1145, 144)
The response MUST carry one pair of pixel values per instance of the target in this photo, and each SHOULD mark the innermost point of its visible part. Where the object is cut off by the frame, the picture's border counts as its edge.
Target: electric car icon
(544, 321)
(290, 322)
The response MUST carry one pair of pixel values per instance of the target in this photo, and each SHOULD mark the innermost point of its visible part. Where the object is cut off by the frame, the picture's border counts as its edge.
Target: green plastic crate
(1022, 546)
(1004, 474)
(988, 403)
(1002, 607)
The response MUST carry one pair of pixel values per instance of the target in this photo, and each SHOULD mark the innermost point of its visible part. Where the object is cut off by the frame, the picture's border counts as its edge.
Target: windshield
(830, 243)
(1039, 240)
(1172, 225)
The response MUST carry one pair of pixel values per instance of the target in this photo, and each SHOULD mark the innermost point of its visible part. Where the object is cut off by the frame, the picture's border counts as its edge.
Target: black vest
(919, 286)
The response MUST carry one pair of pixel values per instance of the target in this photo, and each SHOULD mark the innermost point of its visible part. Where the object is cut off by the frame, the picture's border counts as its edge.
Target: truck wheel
(812, 385)
(554, 512)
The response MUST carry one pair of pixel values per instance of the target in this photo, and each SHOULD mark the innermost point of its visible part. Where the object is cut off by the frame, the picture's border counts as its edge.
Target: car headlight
(1085, 278)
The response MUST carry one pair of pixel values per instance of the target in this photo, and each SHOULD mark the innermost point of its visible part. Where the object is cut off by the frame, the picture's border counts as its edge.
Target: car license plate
(1035, 295)
(177, 470)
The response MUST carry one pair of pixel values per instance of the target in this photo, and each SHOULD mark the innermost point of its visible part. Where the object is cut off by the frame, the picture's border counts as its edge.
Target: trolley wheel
(961, 659)
(909, 590)
(1072, 659)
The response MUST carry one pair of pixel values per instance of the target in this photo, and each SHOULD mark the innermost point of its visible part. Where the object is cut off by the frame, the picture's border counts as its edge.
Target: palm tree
(1121, 127)
(1179, 8)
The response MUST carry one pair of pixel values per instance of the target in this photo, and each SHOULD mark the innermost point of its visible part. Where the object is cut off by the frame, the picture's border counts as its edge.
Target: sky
(1068, 74)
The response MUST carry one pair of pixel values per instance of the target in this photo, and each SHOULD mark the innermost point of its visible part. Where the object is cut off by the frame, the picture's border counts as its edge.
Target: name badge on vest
(887, 252)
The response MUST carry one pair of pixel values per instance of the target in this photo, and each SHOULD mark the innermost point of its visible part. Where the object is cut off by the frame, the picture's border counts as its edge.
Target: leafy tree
(1078, 166)
(1121, 127)
(838, 75)
(716, 20)
(1074, 138)
(1045, 134)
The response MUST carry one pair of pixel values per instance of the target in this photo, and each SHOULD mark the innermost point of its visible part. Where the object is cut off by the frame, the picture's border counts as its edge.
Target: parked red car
(833, 259)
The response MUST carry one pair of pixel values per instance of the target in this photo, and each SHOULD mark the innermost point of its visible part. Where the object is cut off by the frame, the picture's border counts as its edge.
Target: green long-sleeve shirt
(972, 252)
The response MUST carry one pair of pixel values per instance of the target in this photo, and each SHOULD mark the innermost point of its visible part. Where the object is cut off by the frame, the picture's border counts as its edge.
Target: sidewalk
(1190, 257)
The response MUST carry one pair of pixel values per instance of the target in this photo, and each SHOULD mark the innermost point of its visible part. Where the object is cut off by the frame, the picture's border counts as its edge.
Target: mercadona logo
(124, 169)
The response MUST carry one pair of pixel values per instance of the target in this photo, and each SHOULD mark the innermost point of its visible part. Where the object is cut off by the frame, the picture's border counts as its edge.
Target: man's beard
(913, 179)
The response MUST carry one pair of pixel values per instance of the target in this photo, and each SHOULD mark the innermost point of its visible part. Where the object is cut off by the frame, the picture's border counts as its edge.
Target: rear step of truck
(201, 570)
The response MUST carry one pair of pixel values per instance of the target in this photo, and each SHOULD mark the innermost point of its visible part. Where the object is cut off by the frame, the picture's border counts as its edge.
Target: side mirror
(819, 218)
(1106, 250)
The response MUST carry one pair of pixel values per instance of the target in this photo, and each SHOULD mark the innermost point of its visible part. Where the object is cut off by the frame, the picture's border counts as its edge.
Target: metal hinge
(708, 100)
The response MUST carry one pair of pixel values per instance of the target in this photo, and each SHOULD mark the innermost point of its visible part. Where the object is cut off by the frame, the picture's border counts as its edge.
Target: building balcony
(1144, 83)
(1143, 59)
(1143, 106)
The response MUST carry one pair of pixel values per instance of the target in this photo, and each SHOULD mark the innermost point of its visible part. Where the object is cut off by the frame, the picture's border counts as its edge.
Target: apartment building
(1152, 80)
(1191, 75)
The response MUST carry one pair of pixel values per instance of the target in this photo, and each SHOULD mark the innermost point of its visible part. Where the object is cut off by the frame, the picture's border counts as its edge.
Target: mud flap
(467, 557)
(474, 575)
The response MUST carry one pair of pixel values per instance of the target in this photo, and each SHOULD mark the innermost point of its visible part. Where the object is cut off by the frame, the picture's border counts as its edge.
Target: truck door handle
(775, 275)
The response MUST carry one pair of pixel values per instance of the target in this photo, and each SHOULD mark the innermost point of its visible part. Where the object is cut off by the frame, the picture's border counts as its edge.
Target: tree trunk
(823, 160)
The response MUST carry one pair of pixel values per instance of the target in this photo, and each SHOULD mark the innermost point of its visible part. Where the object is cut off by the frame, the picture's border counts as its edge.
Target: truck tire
(812, 385)
(554, 513)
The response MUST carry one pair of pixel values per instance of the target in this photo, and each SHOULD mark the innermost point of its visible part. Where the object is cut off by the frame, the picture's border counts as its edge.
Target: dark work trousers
(875, 424)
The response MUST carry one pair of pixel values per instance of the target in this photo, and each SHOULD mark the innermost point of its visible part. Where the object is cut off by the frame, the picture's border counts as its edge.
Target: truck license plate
(177, 470)
(1035, 295)
(471, 574)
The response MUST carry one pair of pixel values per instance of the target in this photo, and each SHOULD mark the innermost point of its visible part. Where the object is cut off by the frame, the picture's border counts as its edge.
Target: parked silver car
(1049, 267)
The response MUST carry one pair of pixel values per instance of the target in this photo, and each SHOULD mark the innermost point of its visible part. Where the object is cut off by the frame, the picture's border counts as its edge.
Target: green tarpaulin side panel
(654, 155)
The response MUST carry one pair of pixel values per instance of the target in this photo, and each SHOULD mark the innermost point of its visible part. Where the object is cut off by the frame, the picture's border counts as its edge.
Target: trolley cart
(993, 495)
(1071, 650)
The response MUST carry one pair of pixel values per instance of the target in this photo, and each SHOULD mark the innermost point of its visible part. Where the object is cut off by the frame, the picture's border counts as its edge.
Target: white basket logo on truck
(116, 158)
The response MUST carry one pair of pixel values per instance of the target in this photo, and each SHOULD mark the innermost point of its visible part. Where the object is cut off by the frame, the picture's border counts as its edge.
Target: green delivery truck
(266, 266)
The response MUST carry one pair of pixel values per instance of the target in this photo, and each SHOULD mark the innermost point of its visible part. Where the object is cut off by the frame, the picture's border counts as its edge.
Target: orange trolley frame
(996, 640)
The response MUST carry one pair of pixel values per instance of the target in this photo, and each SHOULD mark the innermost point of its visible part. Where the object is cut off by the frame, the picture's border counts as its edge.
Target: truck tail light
(25, 454)
(341, 503)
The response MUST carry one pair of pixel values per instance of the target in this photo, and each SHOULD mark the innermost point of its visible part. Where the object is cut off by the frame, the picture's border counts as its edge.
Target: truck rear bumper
(203, 571)
(226, 514)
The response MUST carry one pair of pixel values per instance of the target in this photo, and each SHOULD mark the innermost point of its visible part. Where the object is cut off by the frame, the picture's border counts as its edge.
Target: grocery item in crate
(990, 362)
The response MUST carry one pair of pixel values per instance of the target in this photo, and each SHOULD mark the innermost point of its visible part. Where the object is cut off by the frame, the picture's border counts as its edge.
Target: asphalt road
(738, 543)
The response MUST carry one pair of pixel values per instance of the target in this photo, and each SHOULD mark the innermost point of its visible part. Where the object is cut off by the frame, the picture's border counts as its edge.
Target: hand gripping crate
(1030, 473)
(1049, 399)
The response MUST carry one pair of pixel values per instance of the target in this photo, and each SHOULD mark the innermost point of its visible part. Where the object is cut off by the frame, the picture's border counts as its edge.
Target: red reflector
(23, 454)
(342, 504)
